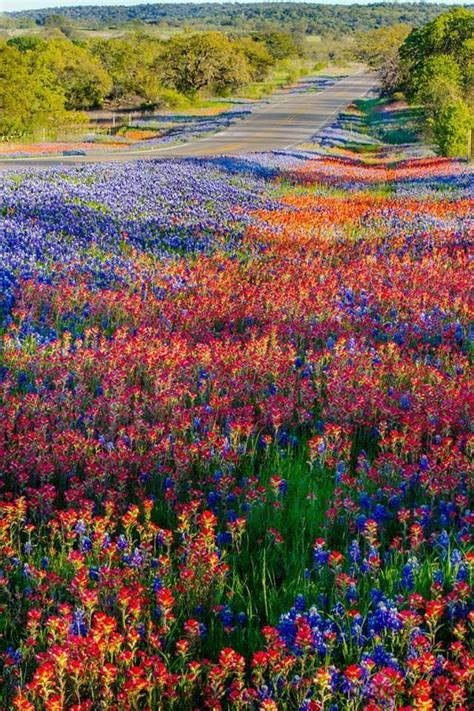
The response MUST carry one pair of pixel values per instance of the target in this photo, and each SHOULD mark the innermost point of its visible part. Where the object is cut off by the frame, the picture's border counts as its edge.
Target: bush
(451, 125)
(172, 99)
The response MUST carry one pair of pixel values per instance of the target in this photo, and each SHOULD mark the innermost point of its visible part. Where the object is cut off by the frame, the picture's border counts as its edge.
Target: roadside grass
(400, 135)
(286, 72)
(362, 148)
(391, 126)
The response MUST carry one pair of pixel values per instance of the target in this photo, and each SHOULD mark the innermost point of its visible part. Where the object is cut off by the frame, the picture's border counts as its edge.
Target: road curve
(286, 121)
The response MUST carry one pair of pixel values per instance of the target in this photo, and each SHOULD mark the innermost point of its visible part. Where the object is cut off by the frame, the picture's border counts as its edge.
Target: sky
(11, 5)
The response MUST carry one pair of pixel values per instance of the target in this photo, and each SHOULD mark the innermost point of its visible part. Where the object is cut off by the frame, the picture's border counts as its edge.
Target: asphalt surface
(287, 120)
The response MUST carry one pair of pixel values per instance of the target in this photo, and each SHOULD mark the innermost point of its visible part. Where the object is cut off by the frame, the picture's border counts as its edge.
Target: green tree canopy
(131, 62)
(27, 100)
(25, 43)
(438, 59)
(438, 81)
(328, 20)
(257, 55)
(281, 45)
(446, 34)
(208, 60)
(59, 22)
(380, 50)
(81, 76)
(450, 34)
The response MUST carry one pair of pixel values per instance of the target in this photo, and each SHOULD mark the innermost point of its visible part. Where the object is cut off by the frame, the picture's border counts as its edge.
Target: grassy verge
(391, 122)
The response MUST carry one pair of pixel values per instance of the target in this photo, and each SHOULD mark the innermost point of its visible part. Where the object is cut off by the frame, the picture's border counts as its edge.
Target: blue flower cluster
(87, 219)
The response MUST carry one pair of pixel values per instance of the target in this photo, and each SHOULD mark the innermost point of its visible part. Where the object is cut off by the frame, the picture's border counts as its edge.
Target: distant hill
(306, 18)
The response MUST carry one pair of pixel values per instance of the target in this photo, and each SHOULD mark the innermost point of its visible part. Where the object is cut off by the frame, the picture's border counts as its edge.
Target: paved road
(286, 121)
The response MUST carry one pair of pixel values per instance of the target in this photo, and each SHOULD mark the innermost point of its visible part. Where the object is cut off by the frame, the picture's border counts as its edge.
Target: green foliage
(53, 75)
(131, 62)
(60, 22)
(374, 46)
(26, 43)
(447, 34)
(203, 61)
(451, 125)
(80, 76)
(280, 45)
(274, 571)
(258, 57)
(439, 73)
(171, 99)
(336, 50)
(326, 20)
(450, 34)
(28, 99)
(437, 82)
(380, 50)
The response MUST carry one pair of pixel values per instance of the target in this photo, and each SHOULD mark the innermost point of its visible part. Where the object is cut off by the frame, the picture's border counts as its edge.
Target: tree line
(432, 66)
(309, 18)
(43, 80)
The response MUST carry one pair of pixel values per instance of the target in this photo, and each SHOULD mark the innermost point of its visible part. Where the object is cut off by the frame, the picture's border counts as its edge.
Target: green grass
(286, 72)
(400, 135)
(362, 148)
(266, 574)
(391, 127)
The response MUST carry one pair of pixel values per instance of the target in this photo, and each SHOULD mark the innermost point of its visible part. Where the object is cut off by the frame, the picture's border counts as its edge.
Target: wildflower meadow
(235, 444)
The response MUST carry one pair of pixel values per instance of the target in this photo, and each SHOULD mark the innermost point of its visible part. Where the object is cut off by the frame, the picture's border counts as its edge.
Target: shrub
(451, 125)
(172, 99)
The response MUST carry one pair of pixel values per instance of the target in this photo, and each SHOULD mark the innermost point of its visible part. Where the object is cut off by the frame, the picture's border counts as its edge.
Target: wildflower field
(235, 435)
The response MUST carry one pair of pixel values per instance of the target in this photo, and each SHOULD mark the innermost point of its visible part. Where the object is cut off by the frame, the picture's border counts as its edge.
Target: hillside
(308, 18)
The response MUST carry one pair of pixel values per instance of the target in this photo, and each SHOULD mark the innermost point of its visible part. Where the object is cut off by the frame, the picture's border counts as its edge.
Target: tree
(446, 34)
(281, 45)
(438, 82)
(325, 20)
(26, 100)
(208, 60)
(25, 43)
(380, 50)
(60, 22)
(451, 125)
(259, 58)
(440, 74)
(450, 34)
(81, 76)
(131, 63)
